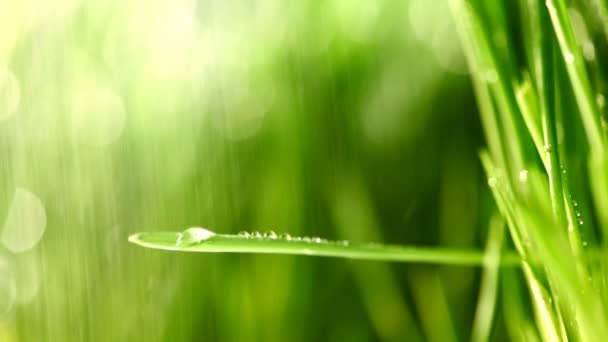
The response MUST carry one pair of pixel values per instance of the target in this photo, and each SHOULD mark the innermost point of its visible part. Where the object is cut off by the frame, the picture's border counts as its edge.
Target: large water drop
(193, 236)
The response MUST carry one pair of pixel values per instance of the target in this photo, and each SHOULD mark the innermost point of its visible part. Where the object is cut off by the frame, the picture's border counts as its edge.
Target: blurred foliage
(343, 119)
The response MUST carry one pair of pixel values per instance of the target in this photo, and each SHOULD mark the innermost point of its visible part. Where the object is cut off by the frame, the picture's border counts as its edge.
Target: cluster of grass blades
(537, 72)
(546, 157)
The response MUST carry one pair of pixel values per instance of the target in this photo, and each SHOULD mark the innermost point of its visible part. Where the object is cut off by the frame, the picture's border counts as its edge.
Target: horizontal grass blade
(204, 241)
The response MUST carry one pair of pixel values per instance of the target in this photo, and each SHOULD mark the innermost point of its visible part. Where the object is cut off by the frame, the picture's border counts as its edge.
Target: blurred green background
(342, 119)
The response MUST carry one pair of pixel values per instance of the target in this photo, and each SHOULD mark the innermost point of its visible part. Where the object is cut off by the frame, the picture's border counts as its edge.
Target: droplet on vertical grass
(569, 57)
(490, 76)
(523, 176)
(492, 182)
(548, 148)
(193, 235)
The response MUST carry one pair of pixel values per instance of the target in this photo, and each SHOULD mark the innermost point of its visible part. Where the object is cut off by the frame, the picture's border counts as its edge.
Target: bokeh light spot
(25, 222)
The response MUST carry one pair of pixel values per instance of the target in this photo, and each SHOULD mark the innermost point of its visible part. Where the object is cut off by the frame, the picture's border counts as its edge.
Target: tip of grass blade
(157, 240)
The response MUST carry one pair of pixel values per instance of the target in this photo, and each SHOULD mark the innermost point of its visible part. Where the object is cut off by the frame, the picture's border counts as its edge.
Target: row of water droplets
(271, 235)
(579, 220)
(197, 235)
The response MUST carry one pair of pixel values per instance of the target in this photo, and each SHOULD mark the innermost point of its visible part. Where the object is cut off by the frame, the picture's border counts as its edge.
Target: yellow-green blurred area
(342, 119)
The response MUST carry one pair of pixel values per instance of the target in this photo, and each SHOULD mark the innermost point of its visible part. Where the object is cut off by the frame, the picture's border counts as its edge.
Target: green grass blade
(578, 75)
(205, 241)
(486, 305)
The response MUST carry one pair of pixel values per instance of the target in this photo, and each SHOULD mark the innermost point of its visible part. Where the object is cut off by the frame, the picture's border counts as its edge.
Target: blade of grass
(354, 217)
(433, 306)
(488, 113)
(519, 324)
(578, 76)
(528, 105)
(205, 241)
(485, 311)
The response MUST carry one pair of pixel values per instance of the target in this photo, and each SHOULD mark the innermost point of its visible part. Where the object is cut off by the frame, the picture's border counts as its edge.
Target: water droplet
(575, 203)
(523, 176)
(257, 235)
(588, 51)
(193, 236)
(490, 76)
(578, 214)
(316, 239)
(343, 243)
(585, 243)
(244, 234)
(569, 57)
(272, 235)
(492, 182)
(581, 222)
(306, 239)
(286, 237)
(548, 148)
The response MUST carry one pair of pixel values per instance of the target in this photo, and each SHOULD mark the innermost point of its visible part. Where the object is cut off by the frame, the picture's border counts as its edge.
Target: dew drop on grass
(271, 235)
(581, 222)
(523, 176)
(548, 148)
(193, 236)
(286, 237)
(578, 214)
(244, 234)
(490, 76)
(257, 235)
(569, 57)
(575, 203)
(492, 182)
